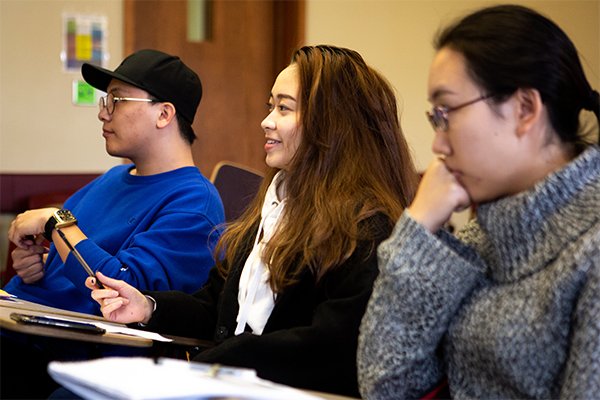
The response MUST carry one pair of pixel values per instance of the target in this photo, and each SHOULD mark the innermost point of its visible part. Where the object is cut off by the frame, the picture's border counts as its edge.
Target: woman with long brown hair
(297, 268)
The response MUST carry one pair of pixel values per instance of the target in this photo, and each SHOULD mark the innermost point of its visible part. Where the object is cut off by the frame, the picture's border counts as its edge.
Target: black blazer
(311, 336)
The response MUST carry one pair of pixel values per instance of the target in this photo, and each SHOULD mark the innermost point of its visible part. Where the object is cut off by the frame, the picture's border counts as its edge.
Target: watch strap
(49, 227)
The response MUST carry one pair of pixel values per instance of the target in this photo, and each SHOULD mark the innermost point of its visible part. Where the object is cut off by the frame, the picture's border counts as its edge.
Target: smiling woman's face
(281, 128)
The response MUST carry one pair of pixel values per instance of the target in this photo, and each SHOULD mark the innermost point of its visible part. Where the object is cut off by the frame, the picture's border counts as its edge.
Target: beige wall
(395, 37)
(40, 129)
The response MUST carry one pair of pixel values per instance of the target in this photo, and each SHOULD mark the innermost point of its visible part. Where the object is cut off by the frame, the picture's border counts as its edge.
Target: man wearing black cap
(150, 223)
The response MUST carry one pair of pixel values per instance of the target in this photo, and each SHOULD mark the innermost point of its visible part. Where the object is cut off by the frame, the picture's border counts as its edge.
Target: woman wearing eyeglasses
(510, 308)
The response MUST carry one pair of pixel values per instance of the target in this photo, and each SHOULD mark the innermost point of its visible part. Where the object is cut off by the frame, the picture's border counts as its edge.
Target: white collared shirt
(255, 297)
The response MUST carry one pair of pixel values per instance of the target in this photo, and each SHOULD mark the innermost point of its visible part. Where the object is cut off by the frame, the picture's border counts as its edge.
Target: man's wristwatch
(59, 219)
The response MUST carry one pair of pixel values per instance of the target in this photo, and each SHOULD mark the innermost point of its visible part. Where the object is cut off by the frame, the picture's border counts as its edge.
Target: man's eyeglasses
(110, 100)
(438, 116)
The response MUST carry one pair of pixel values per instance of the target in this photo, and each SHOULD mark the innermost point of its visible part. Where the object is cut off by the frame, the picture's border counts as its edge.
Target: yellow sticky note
(83, 47)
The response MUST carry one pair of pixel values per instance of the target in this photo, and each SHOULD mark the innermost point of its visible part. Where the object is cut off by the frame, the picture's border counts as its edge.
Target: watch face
(64, 216)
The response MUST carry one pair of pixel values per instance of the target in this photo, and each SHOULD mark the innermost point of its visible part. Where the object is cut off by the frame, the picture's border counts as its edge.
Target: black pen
(79, 258)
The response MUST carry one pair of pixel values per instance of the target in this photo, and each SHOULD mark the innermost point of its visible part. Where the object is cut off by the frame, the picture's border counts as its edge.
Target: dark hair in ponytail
(509, 47)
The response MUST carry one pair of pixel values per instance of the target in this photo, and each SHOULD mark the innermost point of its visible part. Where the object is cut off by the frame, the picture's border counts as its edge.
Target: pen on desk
(79, 258)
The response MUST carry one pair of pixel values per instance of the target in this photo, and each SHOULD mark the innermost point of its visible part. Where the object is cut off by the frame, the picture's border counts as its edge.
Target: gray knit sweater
(512, 310)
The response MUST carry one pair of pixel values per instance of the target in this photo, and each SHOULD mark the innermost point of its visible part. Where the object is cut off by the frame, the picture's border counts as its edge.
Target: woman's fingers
(116, 284)
(90, 283)
(111, 305)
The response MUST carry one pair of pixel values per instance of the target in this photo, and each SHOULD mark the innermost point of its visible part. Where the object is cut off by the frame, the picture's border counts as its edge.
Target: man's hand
(28, 225)
(29, 262)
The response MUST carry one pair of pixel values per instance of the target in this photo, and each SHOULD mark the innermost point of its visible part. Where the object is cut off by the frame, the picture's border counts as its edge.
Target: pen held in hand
(79, 258)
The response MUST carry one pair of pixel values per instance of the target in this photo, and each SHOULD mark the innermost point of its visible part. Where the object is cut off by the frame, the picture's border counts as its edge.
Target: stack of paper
(144, 378)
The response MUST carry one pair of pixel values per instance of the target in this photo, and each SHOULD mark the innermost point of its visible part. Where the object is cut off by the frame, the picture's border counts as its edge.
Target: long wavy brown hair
(353, 162)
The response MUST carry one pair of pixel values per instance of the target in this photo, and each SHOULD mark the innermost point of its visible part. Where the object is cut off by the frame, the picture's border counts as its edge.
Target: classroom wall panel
(40, 128)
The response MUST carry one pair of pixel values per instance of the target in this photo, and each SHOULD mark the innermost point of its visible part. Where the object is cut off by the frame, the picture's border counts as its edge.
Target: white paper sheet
(115, 328)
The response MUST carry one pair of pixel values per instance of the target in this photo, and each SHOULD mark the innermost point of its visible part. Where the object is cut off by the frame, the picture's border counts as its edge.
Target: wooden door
(249, 42)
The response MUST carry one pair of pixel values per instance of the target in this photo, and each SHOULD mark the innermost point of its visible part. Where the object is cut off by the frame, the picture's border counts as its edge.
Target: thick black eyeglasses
(110, 100)
(438, 116)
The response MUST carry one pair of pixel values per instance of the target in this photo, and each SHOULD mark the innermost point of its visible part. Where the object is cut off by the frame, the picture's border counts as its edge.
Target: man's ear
(167, 114)
(529, 109)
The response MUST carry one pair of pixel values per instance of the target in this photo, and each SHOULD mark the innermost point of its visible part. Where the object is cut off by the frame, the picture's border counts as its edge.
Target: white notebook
(145, 378)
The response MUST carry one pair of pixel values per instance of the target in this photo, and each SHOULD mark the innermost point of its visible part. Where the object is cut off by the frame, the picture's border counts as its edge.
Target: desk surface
(8, 307)
(17, 305)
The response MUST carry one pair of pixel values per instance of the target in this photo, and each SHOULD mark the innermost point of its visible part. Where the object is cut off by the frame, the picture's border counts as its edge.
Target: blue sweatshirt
(155, 232)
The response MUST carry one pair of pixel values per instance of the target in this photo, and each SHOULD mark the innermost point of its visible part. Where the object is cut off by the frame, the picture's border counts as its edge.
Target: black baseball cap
(164, 76)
